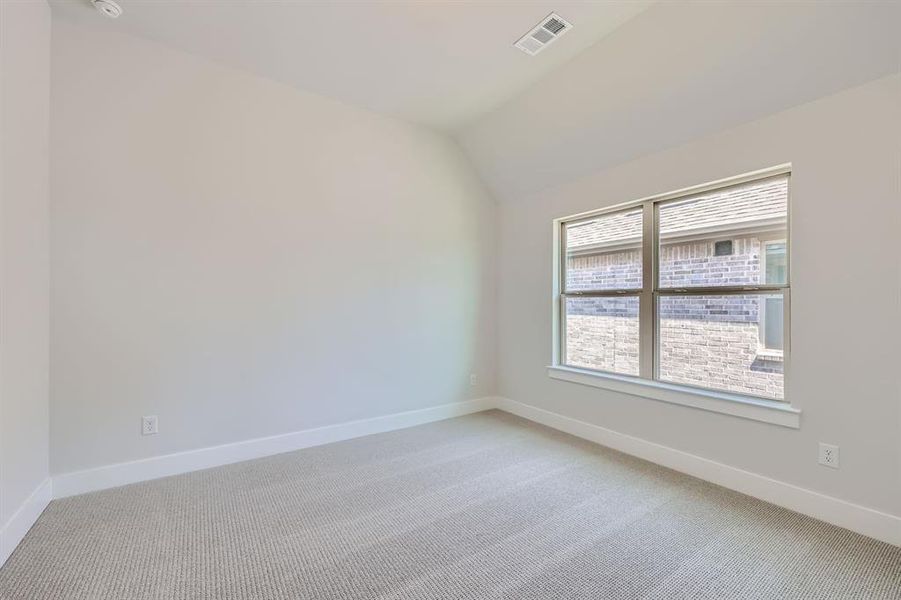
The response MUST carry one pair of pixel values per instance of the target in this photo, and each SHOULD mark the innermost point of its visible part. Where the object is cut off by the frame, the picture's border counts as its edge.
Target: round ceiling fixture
(108, 8)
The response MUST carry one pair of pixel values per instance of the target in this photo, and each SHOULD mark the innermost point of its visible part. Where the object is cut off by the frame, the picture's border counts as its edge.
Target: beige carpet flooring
(484, 506)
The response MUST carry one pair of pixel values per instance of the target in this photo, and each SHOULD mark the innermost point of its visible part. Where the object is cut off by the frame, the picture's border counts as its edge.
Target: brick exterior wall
(681, 265)
(602, 334)
(709, 341)
(717, 354)
(607, 271)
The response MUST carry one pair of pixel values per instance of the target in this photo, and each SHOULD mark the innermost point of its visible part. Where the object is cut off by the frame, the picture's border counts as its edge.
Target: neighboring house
(734, 236)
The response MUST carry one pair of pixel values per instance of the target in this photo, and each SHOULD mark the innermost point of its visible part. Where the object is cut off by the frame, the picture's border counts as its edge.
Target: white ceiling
(675, 73)
(440, 63)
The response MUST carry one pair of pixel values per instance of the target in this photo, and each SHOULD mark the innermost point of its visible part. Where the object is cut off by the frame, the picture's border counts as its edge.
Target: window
(602, 289)
(689, 288)
(774, 264)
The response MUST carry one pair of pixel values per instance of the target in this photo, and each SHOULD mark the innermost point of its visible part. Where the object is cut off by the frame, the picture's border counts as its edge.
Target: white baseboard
(18, 525)
(867, 521)
(863, 520)
(108, 476)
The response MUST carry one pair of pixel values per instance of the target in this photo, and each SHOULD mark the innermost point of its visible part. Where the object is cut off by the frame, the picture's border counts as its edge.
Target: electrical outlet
(473, 379)
(828, 455)
(149, 425)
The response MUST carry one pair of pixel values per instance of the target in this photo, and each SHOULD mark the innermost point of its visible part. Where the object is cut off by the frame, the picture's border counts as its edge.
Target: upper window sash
(677, 194)
(602, 255)
(732, 218)
(750, 207)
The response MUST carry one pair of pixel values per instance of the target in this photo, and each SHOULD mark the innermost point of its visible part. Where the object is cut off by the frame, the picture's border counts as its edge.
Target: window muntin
(712, 272)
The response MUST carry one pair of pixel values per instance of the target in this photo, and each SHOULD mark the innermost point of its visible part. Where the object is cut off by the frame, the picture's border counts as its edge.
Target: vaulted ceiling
(631, 77)
(675, 73)
(440, 63)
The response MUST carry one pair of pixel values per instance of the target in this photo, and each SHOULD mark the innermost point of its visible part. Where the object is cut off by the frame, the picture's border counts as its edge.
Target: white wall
(846, 203)
(24, 279)
(243, 259)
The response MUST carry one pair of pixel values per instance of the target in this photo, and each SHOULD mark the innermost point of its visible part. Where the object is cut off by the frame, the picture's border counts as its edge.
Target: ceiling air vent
(552, 27)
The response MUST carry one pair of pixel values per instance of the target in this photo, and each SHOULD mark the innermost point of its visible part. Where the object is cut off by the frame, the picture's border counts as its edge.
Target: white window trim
(777, 412)
(747, 407)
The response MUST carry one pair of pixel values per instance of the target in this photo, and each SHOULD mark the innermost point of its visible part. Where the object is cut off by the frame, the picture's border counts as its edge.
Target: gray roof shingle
(742, 206)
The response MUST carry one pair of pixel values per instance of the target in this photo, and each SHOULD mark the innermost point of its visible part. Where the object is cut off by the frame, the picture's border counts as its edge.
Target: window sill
(770, 355)
(756, 409)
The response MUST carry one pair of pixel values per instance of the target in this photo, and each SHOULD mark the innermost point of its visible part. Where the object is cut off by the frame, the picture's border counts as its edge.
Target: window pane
(714, 342)
(775, 263)
(715, 238)
(773, 323)
(602, 334)
(604, 253)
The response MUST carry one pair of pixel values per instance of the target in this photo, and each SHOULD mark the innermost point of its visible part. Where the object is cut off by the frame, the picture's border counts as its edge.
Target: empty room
(450, 299)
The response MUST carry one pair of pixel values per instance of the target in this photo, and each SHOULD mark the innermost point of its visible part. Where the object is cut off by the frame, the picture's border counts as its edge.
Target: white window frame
(648, 385)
